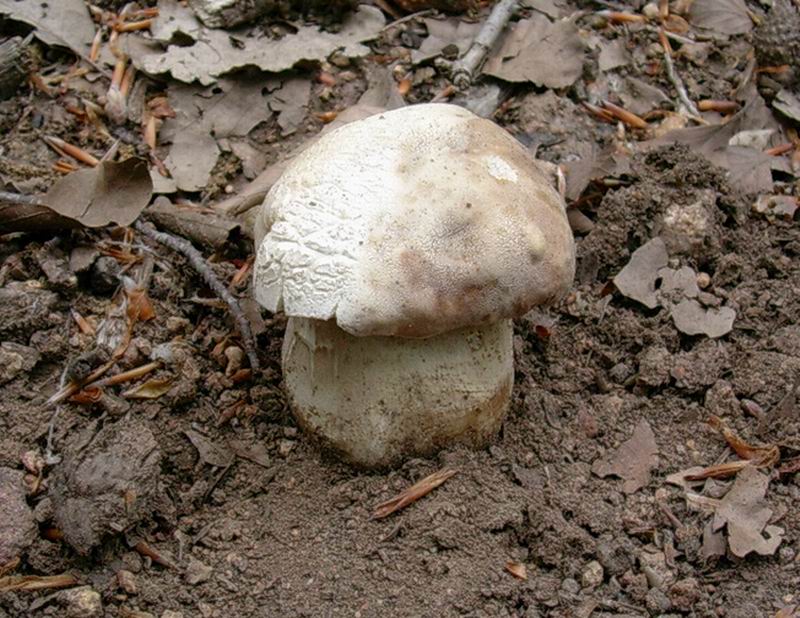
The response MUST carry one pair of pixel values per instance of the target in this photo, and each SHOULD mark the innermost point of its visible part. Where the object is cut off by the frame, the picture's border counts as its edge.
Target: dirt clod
(108, 482)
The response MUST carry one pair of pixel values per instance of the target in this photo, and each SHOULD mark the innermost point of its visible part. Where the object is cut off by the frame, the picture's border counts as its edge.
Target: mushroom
(400, 247)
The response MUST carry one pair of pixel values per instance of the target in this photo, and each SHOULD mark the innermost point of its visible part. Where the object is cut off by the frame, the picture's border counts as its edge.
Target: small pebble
(235, 356)
(656, 601)
(127, 581)
(703, 280)
(81, 602)
(650, 10)
(685, 593)
(197, 572)
(592, 575)
(340, 60)
(177, 325)
(285, 447)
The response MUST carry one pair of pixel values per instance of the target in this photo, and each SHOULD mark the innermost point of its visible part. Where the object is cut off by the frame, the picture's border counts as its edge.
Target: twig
(147, 550)
(405, 18)
(185, 248)
(676, 80)
(412, 494)
(126, 376)
(36, 582)
(50, 457)
(465, 68)
(19, 198)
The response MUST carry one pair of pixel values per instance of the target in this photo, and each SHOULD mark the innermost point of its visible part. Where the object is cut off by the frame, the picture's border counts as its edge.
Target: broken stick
(464, 69)
(185, 248)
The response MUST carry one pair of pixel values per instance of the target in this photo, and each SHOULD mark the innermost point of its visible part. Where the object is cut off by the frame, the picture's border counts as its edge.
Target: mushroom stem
(377, 400)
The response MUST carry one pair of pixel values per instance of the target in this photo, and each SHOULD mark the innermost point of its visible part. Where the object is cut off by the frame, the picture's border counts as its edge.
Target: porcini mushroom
(400, 247)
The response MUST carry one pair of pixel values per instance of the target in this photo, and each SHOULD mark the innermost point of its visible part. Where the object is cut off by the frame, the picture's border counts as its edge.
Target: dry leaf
(713, 542)
(66, 23)
(613, 54)
(540, 51)
(517, 569)
(412, 494)
(633, 460)
(210, 452)
(152, 389)
(109, 193)
(721, 16)
(441, 34)
(637, 280)
(138, 305)
(788, 104)
(291, 101)
(640, 97)
(748, 171)
(745, 513)
(217, 52)
(608, 163)
(191, 158)
(682, 478)
(256, 452)
(692, 318)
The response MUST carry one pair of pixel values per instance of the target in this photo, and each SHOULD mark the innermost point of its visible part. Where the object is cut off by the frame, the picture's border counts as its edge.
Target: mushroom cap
(412, 223)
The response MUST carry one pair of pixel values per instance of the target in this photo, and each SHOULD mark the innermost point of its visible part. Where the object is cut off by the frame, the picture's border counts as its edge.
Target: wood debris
(412, 494)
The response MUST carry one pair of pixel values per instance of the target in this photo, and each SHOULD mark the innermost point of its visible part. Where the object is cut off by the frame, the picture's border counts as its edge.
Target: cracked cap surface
(412, 223)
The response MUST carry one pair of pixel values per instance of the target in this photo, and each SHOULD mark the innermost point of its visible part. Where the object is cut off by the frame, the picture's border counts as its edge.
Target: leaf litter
(647, 267)
(546, 53)
(215, 53)
(677, 284)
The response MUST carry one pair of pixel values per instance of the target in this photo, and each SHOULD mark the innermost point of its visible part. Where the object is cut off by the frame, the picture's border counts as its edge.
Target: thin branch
(464, 69)
(676, 80)
(185, 248)
(18, 198)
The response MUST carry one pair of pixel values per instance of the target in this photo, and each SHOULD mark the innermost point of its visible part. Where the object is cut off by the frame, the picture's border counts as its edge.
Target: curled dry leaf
(152, 389)
(517, 569)
(412, 494)
(139, 307)
(760, 455)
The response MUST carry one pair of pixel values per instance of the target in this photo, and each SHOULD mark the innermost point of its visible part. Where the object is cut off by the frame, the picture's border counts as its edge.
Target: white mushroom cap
(412, 222)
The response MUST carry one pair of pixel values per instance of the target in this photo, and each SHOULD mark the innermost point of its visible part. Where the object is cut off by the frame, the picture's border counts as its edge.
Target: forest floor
(187, 489)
